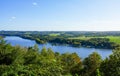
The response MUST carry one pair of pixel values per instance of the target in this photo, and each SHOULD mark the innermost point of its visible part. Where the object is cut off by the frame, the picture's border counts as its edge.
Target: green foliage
(18, 61)
(115, 39)
(106, 40)
(91, 64)
(35, 47)
(111, 65)
(69, 61)
(54, 34)
(44, 52)
(40, 41)
(98, 72)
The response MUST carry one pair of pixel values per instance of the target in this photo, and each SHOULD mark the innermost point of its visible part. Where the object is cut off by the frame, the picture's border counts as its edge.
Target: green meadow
(115, 39)
(54, 34)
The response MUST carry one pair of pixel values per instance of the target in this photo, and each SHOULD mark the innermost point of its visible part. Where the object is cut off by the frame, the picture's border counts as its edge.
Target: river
(81, 51)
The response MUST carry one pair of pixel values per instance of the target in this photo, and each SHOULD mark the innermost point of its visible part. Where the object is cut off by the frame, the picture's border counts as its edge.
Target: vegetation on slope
(104, 40)
(19, 61)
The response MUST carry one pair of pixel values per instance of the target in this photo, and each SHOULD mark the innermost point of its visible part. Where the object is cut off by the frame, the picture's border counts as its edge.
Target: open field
(115, 39)
(54, 34)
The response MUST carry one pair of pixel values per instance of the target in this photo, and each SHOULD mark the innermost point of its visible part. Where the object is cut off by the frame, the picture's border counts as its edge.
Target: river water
(81, 51)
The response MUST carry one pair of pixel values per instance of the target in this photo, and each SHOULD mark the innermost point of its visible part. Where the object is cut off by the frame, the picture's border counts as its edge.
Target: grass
(83, 37)
(115, 39)
(80, 37)
(54, 34)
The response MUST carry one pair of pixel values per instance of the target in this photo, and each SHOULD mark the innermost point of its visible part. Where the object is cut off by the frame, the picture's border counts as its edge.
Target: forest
(22, 61)
(104, 40)
(59, 37)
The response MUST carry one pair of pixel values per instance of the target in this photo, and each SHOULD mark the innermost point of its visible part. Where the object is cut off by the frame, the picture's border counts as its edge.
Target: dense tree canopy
(20, 61)
(111, 66)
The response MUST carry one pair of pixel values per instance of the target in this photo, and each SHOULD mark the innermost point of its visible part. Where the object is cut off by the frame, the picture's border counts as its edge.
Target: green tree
(69, 61)
(51, 54)
(44, 51)
(91, 64)
(111, 66)
(35, 48)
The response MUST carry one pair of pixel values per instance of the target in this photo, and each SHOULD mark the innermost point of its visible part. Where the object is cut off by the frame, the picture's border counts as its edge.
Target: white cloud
(12, 18)
(34, 3)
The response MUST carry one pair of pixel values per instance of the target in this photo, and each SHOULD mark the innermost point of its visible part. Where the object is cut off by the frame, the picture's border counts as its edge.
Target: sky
(60, 15)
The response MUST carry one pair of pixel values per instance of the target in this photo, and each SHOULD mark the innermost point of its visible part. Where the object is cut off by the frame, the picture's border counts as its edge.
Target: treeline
(18, 61)
(103, 43)
(68, 33)
(63, 38)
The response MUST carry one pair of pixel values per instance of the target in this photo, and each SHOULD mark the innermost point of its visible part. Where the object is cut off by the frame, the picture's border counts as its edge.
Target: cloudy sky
(60, 15)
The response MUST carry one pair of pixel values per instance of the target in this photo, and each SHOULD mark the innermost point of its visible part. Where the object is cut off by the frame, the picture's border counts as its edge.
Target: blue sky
(60, 15)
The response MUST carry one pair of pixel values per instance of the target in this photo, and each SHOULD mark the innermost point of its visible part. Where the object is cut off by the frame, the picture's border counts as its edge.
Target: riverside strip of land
(104, 40)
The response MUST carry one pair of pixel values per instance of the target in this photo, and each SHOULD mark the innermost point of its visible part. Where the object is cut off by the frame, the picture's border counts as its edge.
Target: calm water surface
(82, 51)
